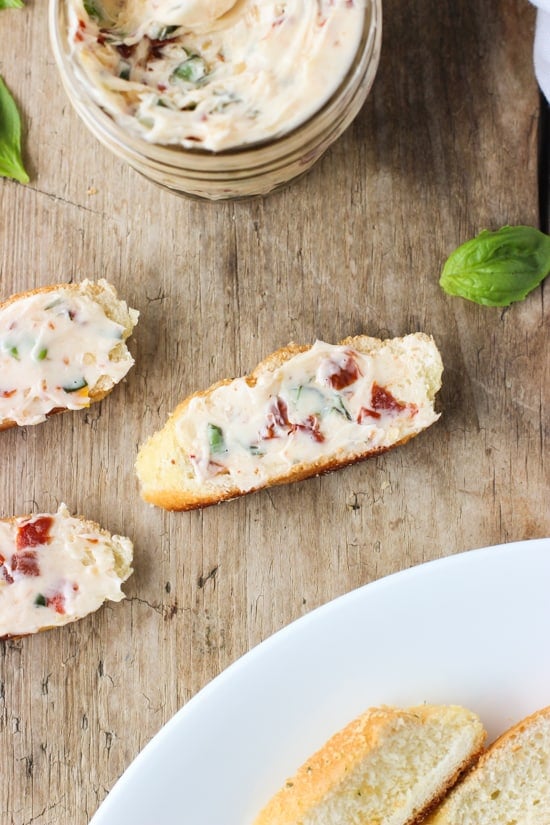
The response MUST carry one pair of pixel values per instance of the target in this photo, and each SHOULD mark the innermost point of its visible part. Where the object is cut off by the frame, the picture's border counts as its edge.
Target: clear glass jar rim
(231, 160)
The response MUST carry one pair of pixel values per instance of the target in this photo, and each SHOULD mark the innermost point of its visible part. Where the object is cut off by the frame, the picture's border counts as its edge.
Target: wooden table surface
(445, 146)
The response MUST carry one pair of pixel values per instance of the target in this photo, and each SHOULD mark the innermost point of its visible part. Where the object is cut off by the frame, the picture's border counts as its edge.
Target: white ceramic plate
(471, 629)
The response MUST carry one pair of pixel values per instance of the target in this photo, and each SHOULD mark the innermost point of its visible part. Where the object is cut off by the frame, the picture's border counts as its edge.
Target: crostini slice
(56, 568)
(302, 412)
(62, 348)
(389, 766)
(510, 784)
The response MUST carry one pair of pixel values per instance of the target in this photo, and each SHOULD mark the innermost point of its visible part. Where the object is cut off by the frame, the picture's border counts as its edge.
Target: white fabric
(542, 46)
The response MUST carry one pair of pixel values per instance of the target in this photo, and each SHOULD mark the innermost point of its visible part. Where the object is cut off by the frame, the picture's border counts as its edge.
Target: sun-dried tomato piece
(311, 427)
(340, 374)
(365, 413)
(34, 533)
(382, 399)
(277, 419)
(57, 601)
(26, 563)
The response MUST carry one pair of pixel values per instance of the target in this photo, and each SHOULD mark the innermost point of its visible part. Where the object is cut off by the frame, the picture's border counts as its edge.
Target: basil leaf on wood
(11, 4)
(11, 163)
(498, 268)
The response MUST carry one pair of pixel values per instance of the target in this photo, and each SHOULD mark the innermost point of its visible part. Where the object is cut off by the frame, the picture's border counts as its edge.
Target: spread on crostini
(56, 568)
(56, 346)
(330, 399)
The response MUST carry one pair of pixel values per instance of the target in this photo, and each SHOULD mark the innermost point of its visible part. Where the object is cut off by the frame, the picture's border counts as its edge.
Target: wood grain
(445, 146)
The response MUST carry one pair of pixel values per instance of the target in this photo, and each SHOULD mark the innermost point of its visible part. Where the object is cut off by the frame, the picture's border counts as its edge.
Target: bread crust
(335, 761)
(178, 496)
(502, 746)
(507, 738)
(98, 291)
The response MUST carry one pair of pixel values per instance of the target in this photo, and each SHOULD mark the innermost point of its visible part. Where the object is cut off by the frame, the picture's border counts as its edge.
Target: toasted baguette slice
(510, 784)
(302, 412)
(55, 569)
(387, 767)
(62, 347)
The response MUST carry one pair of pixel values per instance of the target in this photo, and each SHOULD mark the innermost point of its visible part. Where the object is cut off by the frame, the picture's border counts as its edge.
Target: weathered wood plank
(445, 146)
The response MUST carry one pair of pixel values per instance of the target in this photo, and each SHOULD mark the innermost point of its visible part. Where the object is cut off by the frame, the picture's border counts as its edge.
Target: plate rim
(422, 569)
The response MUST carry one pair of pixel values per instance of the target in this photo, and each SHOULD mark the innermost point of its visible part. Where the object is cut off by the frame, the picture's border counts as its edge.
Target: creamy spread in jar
(55, 569)
(329, 400)
(55, 346)
(213, 74)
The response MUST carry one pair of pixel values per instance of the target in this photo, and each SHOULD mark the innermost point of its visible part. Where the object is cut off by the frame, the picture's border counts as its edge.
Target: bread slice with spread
(302, 412)
(509, 784)
(389, 767)
(62, 347)
(57, 568)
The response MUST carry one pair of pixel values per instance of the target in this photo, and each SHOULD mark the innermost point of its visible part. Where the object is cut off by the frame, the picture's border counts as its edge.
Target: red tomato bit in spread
(26, 563)
(311, 427)
(364, 413)
(277, 420)
(382, 400)
(4, 571)
(34, 533)
(278, 423)
(57, 602)
(343, 374)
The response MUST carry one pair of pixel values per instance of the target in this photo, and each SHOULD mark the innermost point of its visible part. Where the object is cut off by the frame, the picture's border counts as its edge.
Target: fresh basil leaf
(498, 268)
(11, 4)
(11, 163)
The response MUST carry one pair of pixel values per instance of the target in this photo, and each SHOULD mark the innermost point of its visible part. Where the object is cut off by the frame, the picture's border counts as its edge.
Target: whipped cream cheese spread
(213, 74)
(54, 347)
(55, 569)
(329, 400)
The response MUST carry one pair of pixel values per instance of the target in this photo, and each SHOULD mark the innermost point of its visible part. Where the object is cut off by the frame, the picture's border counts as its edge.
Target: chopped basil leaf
(215, 439)
(14, 352)
(340, 407)
(230, 100)
(76, 384)
(498, 268)
(309, 399)
(91, 7)
(191, 70)
(165, 32)
(124, 71)
(41, 354)
(11, 163)
(40, 600)
(255, 450)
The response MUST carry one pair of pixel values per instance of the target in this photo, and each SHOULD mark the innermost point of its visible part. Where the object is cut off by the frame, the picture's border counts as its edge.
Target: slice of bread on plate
(57, 568)
(62, 347)
(303, 411)
(509, 785)
(387, 767)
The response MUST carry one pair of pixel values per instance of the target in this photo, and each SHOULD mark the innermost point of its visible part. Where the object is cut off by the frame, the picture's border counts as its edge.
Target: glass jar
(255, 169)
